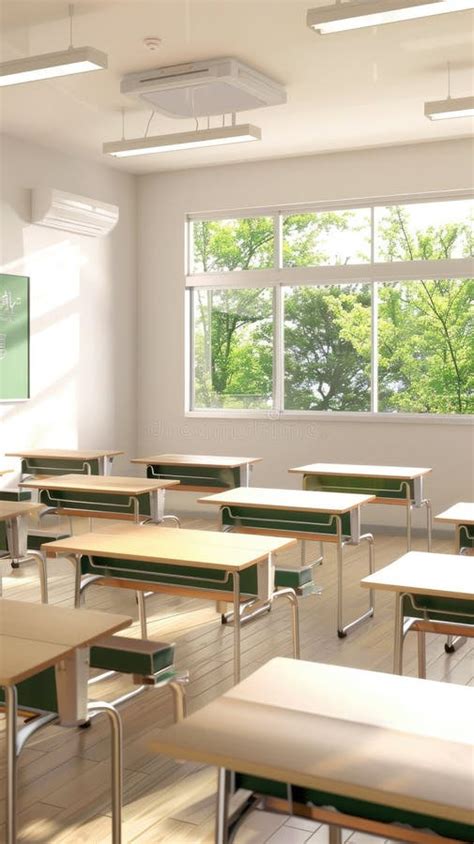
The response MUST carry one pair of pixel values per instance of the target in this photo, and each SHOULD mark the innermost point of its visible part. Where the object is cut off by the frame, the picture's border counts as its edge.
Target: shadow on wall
(50, 416)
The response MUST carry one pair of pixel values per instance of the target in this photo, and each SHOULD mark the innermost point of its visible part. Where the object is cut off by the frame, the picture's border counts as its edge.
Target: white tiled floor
(268, 828)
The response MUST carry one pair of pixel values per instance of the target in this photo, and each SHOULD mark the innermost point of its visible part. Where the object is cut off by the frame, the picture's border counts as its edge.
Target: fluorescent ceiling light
(183, 140)
(49, 65)
(452, 107)
(344, 16)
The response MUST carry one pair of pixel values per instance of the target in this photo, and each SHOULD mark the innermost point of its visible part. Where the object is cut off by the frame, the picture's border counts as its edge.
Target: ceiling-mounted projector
(204, 88)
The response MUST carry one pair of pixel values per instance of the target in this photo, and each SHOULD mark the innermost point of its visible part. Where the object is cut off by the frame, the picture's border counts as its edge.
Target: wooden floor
(64, 773)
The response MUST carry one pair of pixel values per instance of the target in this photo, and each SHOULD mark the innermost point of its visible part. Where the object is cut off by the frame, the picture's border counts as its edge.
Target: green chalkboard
(14, 338)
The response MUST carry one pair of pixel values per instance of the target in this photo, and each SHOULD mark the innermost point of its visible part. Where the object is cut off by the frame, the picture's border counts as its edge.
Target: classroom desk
(14, 539)
(59, 461)
(34, 637)
(461, 515)
(317, 516)
(309, 737)
(200, 472)
(433, 593)
(192, 563)
(102, 496)
(398, 485)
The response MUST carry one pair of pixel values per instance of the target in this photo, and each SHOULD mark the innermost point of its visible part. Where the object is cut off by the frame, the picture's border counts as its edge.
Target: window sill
(334, 416)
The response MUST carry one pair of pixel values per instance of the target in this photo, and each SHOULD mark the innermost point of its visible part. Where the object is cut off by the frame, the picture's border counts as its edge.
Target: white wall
(83, 308)
(164, 200)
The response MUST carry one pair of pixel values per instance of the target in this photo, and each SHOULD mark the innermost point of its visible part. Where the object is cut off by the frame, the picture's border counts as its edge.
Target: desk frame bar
(410, 503)
(16, 739)
(227, 824)
(141, 587)
(18, 552)
(403, 624)
(355, 539)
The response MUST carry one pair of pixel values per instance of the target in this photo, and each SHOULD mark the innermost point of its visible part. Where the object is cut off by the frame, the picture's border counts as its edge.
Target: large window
(366, 309)
(233, 348)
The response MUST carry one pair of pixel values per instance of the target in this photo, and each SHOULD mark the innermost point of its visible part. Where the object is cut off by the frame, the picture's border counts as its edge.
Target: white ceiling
(355, 89)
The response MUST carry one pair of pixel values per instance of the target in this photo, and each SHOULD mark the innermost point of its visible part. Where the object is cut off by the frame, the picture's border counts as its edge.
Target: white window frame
(279, 277)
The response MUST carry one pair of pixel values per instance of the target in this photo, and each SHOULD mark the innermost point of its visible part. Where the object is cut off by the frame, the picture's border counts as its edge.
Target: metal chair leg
(237, 626)
(421, 654)
(335, 835)
(179, 698)
(43, 574)
(399, 637)
(174, 519)
(222, 813)
(303, 553)
(11, 700)
(142, 613)
(429, 523)
(290, 595)
(117, 764)
(409, 526)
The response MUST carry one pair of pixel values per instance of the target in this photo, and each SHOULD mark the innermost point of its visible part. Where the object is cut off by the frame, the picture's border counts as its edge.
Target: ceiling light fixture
(50, 65)
(352, 15)
(183, 140)
(450, 107)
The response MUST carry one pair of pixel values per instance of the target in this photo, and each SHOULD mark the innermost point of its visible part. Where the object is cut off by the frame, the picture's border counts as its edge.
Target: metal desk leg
(290, 594)
(335, 835)
(117, 765)
(421, 654)
(429, 522)
(408, 525)
(142, 613)
(11, 700)
(236, 577)
(398, 640)
(18, 551)
(341, 630)
(43, 574)
(222, 813)
(76, 561)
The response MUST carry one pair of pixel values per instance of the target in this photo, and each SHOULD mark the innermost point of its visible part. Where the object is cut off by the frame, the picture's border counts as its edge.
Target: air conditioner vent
(205, 88)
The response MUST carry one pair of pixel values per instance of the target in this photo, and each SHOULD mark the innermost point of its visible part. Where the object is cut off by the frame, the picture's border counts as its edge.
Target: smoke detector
(152, 44)
(204, 88)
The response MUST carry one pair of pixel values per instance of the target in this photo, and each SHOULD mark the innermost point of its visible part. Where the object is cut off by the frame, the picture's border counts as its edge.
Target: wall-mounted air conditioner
(71, 213)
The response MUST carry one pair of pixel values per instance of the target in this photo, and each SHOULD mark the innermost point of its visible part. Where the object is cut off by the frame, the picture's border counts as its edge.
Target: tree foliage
(425, 328)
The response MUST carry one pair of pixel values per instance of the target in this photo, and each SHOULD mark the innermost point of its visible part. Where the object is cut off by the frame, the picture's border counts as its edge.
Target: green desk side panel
(381, 487)
(3, 537)
(187, 576)
(96, 502)
(42, 466)
(466, 536)
(357, 808)
(293, 521)
(212, 477)
(435, 608)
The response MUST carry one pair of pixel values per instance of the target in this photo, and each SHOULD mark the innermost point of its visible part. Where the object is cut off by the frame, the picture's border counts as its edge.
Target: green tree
(233, 329)
(426, 331)
(425, 328)
(324, 369)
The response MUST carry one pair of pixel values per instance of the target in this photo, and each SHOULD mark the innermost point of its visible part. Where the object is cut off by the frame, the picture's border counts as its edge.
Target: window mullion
(374, 360)
(374, 351)
(278, 338)
(278, 350)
